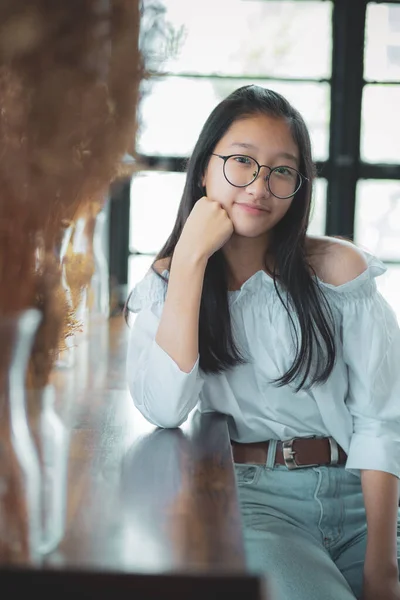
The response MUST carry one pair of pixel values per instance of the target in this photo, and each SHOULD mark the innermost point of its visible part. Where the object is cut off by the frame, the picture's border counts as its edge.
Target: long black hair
(298, 289)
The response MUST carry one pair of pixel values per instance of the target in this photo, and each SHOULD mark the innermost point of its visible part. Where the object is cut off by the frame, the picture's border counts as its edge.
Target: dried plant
(69, 86)
(70, 75)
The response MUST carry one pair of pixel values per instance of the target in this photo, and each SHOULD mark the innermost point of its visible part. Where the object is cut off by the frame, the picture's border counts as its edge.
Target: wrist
(380, 569)
(193, 259)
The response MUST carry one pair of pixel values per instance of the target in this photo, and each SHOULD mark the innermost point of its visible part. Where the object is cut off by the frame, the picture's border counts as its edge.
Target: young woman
(245, 314)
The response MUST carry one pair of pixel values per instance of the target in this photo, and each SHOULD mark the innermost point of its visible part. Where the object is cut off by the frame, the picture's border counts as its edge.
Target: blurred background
(337, 61)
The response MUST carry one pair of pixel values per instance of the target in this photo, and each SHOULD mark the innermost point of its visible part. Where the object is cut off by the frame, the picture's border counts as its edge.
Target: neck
(245, 256)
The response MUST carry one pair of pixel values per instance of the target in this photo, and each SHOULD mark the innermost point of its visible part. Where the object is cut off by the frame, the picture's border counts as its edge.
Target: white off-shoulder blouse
(359, 405)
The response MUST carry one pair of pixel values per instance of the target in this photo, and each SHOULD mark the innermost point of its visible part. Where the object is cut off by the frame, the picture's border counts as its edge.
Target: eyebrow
(287, 155)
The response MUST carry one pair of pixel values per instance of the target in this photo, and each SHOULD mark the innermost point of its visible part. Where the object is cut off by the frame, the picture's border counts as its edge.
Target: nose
(259, 187)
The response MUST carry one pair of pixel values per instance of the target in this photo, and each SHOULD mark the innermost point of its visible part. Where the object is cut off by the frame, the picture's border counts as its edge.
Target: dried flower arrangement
(69, 90)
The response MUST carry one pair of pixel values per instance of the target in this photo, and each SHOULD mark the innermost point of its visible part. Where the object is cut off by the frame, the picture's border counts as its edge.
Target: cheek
(220, 190)
(281, 209)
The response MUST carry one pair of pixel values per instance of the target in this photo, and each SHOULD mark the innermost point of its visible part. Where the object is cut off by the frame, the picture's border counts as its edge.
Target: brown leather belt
(297, 453)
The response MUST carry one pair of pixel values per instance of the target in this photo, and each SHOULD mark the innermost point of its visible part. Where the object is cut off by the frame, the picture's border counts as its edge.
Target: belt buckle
(289, 455)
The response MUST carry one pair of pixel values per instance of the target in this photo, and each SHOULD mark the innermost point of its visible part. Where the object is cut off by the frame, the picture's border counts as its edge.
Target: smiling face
(254, 211)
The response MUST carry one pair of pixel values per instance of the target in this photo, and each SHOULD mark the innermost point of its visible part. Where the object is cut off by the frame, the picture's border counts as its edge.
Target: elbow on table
(169, 421)
(166, 418)
(159, 410)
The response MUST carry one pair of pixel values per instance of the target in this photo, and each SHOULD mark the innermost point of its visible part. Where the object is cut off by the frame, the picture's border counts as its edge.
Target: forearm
(381, 498)
(178, 331)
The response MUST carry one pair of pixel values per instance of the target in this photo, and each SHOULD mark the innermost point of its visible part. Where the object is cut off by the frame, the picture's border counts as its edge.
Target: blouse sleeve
(371, 347)
(163, 393)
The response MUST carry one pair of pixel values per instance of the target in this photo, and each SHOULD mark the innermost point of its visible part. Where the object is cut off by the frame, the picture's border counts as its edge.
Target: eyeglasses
(241, 170)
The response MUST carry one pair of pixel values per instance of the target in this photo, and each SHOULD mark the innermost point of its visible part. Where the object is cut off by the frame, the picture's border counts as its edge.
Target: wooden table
(149, 510)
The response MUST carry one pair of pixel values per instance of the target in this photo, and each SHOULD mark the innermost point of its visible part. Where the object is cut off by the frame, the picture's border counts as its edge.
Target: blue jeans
(305, 530)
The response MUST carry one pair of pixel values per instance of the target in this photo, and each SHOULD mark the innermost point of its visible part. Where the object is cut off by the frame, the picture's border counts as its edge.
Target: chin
(250, 232)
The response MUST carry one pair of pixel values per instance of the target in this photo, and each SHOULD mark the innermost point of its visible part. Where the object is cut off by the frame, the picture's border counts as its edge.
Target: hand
(206, 230)
(377, 588)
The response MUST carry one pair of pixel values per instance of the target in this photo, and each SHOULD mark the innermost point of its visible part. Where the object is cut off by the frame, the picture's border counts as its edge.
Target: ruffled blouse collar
(260, 280)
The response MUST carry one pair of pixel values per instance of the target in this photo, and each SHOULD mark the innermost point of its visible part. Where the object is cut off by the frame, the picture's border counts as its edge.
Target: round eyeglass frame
(302, 178)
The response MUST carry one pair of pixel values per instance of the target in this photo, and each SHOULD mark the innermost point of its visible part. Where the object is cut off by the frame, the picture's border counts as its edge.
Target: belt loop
(271, 456)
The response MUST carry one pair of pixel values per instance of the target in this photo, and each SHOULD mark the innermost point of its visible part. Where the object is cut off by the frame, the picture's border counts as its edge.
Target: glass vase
(99, 293)
(51, 438)
(19, 466)
(79, 262)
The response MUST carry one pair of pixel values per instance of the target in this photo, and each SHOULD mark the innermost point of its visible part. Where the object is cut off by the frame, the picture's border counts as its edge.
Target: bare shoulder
(335, 261)
(162, 265)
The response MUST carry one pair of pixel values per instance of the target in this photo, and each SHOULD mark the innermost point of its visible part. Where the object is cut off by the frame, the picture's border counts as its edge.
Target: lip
(253, 208)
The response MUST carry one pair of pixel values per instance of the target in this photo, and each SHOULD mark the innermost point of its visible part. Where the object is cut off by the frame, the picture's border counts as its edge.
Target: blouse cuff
(374, 454)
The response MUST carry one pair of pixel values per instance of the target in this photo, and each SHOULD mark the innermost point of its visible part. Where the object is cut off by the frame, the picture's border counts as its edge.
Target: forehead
(262, 134)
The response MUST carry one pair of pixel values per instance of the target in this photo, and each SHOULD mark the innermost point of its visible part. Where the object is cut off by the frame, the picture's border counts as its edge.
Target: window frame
(342, 169)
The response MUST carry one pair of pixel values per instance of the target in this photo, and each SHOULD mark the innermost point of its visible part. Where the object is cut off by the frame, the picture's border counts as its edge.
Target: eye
(285, 172)
(243, 160)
